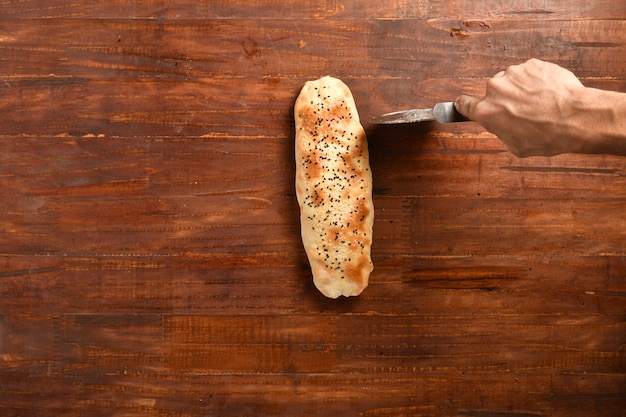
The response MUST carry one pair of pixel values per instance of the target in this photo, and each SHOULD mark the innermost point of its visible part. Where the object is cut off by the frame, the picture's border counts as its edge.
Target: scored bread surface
(333, 187)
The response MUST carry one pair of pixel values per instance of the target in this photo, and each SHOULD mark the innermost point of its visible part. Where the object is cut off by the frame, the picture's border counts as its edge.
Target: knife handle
(447, 113)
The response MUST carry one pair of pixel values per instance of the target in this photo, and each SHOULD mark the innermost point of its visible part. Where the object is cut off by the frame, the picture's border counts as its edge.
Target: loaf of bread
(333, 187)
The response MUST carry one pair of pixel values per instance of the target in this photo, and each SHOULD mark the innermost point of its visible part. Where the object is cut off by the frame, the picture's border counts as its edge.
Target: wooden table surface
(150, 255)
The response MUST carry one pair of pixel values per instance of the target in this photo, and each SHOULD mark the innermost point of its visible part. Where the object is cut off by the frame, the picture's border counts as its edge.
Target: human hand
(531, 107)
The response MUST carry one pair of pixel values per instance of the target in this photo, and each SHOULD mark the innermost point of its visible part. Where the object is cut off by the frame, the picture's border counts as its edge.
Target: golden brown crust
(333, 187)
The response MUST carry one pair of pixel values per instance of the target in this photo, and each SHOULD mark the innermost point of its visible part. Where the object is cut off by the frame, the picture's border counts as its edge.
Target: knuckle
(515, 69)
(495, 84)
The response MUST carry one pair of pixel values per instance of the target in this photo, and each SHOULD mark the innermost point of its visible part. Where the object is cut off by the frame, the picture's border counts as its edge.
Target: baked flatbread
(333, 187)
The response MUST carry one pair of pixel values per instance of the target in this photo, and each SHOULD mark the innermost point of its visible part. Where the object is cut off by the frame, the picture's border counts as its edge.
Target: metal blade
(442, 112)
(405, 116)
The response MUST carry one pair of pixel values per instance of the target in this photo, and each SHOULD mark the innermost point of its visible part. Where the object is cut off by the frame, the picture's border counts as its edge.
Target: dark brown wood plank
(121, 78)
(316, 9)
(412, 360)
(150, 257)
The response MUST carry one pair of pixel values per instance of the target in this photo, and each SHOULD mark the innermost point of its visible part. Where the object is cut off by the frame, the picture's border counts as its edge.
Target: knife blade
(442, 112)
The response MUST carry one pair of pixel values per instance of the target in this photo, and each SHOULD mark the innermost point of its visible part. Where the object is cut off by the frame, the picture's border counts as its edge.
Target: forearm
(601, 122)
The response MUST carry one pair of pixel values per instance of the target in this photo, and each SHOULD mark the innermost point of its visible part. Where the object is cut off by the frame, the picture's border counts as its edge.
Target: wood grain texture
(150, 256)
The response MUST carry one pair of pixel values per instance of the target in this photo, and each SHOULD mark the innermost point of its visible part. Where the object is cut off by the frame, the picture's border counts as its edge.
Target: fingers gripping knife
(442, 112)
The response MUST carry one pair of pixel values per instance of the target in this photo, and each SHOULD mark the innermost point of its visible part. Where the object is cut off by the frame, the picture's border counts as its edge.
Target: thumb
(465, 105)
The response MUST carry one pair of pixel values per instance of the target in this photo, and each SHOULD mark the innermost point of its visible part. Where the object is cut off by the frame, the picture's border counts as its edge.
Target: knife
(442, 112)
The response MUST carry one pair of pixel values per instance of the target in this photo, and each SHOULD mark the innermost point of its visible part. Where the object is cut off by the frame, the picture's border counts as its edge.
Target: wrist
(600, 120)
